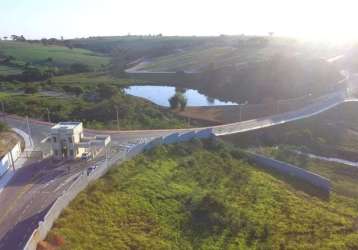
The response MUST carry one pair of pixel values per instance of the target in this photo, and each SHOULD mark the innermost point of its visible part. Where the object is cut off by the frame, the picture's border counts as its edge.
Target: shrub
(30, 89)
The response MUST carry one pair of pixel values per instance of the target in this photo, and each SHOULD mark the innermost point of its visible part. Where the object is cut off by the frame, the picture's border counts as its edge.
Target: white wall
(6, 161)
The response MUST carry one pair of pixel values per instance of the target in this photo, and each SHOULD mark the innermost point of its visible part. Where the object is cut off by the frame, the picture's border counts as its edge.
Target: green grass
(6, 70)
(190, 196)
(222, 54)
(134, 113)
(37, 54)
(92, 79)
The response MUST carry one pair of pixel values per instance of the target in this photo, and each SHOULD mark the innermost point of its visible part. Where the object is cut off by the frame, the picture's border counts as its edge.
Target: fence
(293, 171)
(83, 180)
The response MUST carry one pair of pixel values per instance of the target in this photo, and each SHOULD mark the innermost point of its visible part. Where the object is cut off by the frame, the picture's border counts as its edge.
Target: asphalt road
(33, 189)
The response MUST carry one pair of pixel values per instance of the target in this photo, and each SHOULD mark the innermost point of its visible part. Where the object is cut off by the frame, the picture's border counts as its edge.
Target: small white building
(65, 137)
(68, 142)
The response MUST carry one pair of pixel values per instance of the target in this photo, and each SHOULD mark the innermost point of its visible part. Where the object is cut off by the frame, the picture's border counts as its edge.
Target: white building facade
(65, 138)
(68, 142)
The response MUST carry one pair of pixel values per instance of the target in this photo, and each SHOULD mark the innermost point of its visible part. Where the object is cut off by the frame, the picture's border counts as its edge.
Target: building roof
(66, 125)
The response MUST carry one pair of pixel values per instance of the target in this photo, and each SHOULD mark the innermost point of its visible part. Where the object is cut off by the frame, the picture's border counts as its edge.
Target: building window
(54, 139)
(70, 139)
(71, 152)
(56, 152)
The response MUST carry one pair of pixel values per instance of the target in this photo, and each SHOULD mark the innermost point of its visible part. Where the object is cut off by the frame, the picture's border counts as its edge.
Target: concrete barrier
(186, 136)
(154, 143)
(292, 171)
(204, 134)
(170, 139)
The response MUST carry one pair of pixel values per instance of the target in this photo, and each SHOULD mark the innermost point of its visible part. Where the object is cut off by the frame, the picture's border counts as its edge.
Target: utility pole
(3, 110)
(48, 115)
(277, 107)
(117, 117)
(29, 130)
(240, 112)
(106, 155)
(241, 106)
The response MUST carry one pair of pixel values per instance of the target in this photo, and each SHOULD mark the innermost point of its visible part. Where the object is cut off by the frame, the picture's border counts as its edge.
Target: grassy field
(6, 70)
(37, 54)
(202, 196)
(93, 78)
(226, 52)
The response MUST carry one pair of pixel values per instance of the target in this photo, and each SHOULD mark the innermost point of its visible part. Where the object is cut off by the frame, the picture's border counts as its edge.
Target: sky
(332, 20)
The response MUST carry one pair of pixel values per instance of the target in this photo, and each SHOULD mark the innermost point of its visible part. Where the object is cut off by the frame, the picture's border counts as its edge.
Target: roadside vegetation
(52, 79)
(202, 195)
(97, 110)
(333, 133)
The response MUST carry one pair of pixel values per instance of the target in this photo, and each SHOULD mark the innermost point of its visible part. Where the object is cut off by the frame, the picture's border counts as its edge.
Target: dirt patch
(7, 141)
(216, 115)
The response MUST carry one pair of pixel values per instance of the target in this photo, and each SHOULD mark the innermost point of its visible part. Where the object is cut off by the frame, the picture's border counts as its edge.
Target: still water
(160, 95)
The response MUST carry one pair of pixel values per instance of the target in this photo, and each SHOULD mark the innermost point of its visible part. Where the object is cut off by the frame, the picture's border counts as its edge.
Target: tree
(119, 61)
(30, 89)
(178, 100)
(79, 68)
(183, 101)
(77, 90)
(31, 74)
(106, 91)
(174, 102)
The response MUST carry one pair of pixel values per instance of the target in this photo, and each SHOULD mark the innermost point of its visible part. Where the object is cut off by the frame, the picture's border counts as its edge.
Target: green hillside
(37, 54)
(195, 196)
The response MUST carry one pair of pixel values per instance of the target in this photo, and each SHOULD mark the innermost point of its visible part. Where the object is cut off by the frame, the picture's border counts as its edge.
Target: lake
(160, 95)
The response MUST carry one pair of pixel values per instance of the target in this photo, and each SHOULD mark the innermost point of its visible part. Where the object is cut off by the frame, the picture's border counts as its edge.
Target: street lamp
(117, 117)
(240, 109)
(48, 115)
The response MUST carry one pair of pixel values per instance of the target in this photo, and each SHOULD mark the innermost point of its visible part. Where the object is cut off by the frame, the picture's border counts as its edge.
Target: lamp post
(241, 105)
(3, 110)
(117, 115)
(48, 115)
(29, 130)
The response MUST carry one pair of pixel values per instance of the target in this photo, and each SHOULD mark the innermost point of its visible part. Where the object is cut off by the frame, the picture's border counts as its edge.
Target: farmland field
(37, 54)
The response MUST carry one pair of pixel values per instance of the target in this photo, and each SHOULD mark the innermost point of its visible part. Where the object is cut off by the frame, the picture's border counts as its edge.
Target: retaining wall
(9, 159)
(293, 171)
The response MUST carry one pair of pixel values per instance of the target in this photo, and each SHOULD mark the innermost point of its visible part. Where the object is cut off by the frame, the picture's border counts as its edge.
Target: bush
(3, 127)
(30, 89)
(31, 74)
(79, 68)
(73, 89)
(178, 100)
